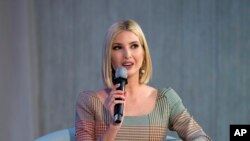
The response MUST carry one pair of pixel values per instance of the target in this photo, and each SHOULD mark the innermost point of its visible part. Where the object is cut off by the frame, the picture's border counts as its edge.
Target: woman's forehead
(125, 37)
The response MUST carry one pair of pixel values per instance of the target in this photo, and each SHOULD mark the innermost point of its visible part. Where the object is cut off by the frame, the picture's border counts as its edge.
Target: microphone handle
(119, 112)
(118, 109)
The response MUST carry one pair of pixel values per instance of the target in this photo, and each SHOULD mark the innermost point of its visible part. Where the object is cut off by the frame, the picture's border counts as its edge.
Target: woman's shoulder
(92, 94)
(86, 94)
(170, 94)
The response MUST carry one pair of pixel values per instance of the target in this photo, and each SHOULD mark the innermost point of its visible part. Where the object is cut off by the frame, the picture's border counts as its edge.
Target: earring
(142, 71)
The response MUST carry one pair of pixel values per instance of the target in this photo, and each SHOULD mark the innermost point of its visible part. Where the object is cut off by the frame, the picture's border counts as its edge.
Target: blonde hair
(107, 70)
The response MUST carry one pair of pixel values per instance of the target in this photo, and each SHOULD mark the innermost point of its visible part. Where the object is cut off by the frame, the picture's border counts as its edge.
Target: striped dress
(93, 119)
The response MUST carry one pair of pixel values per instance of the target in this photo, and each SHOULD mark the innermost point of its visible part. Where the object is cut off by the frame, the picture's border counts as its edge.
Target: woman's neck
(133, 86)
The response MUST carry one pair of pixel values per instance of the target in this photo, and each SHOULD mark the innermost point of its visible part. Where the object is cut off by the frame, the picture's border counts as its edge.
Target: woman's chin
(132, 73)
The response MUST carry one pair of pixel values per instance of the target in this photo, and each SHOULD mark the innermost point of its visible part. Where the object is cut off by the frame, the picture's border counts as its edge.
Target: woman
(148, 112)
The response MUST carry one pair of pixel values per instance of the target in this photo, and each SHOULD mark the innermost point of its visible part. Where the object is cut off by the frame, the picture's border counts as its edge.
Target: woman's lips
(127, 64)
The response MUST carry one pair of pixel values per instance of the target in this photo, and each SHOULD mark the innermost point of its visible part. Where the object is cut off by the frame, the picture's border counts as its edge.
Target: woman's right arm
(109, 104)
(110, 134)
(84, 119)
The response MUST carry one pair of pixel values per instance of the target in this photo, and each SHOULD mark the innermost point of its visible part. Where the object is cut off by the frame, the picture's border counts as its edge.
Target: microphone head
(121, 72)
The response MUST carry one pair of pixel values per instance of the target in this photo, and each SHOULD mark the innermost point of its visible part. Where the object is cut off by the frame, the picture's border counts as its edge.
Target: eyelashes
(118, 47)
(135, 46)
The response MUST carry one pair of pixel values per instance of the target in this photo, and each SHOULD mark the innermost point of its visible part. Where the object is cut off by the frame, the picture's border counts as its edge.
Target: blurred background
(50, 50)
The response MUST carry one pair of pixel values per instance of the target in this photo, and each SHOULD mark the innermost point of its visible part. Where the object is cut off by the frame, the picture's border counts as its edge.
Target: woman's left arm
(181, 121)
(187, 128)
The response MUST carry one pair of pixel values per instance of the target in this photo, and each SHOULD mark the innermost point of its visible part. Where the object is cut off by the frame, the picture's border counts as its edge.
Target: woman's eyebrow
(134, 42)
(116, 44)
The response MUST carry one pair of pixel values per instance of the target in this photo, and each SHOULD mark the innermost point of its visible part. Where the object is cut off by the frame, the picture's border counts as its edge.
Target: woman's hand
(111, 100)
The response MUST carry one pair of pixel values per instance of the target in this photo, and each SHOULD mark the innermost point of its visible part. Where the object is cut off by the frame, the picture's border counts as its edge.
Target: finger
(116, 86)
(117, 102)
(116, 92)
(116, 97)
(119, 97)
(114, 100)
(112, 103)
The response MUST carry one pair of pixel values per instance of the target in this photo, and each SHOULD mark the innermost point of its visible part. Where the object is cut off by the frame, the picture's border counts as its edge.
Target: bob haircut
(115, 29)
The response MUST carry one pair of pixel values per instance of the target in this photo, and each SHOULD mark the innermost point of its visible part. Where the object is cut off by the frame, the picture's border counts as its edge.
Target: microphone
(121, 78)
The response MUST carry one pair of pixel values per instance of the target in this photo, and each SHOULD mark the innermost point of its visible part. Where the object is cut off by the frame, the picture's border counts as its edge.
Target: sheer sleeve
(182, 122)
(84, 118)
(187, 128)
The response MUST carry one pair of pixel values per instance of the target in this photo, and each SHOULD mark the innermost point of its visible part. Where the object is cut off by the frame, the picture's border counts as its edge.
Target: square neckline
(159, 95)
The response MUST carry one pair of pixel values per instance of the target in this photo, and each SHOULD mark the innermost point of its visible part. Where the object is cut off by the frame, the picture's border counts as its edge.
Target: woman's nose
(127, 53)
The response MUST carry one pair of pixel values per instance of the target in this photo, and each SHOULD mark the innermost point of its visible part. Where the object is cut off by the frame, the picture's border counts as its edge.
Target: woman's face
(127, 51)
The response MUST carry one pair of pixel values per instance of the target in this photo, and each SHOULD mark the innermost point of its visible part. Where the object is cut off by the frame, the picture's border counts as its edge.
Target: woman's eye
(116, 47)
(135, 46)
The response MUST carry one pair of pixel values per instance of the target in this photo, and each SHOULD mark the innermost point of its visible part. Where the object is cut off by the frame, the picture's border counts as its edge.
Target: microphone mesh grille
(121, 72)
